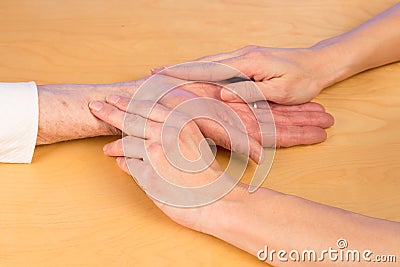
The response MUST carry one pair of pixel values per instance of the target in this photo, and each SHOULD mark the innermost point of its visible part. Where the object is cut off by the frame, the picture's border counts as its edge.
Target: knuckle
(106, 111)
(250, 47)
(141, 106)
(316, 117)
(153, 129)
(147, 104)
(284, 95)
(248, 55)
(249, 91)
(257, 53)
(155, 150)
(110, 114)
(131, 119)
(301, 134)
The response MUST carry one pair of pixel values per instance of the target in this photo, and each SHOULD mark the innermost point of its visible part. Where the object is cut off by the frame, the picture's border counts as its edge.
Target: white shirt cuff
(19, 117)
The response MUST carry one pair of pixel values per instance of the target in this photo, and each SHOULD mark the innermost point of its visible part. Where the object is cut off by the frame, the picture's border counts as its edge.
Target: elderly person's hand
(302, 124)
(295, 125)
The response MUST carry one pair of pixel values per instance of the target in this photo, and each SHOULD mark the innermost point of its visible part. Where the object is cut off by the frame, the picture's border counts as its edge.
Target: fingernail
(228, 95)
(96, 105)
(112, 99)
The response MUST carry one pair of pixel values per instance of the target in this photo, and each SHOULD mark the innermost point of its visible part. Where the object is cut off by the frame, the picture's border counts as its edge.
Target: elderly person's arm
(35, 115)
(31, 115)
(64, 113)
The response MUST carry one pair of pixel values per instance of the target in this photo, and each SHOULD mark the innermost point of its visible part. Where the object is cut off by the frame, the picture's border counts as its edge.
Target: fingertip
(312, 106)
(288, 136)
(316, 135)
(257, 153)
(331, 120)
(327, 120)
(324, 136)
(317, 107)
(106, 148)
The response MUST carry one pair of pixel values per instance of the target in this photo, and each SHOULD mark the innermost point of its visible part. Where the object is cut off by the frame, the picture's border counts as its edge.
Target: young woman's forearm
(64, 113)
(283, 222)
(374, 43)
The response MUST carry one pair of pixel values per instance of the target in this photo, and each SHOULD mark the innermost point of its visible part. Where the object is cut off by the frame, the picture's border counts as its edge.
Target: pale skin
(296, 75)
(64, 115)
(248, 221)
(298, 124)
(287, 76)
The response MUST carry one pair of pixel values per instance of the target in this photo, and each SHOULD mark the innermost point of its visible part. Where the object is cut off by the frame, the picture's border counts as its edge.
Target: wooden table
(73, 207)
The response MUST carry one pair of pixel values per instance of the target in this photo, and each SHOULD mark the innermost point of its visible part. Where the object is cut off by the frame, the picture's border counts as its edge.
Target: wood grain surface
(73, 207)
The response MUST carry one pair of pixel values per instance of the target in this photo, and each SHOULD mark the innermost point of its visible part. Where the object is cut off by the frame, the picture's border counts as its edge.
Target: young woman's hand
(284, 75)
(143, 151)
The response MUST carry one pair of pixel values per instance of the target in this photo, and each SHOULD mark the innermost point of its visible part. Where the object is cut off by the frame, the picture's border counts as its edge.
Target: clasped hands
(289, 78)
(296, 124)
(284, 76)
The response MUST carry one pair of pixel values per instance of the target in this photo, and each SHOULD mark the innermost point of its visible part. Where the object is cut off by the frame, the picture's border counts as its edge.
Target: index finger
(144, 108)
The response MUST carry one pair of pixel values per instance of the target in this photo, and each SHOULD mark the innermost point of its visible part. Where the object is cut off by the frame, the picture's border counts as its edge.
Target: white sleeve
(19, 117)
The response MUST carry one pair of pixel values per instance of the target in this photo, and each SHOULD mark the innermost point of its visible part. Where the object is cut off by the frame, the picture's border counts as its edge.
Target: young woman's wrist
(242, 218)
(235, 211)
(336, 59)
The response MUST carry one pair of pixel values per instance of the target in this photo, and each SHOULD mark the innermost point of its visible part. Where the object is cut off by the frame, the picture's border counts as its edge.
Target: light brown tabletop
(74, 207)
